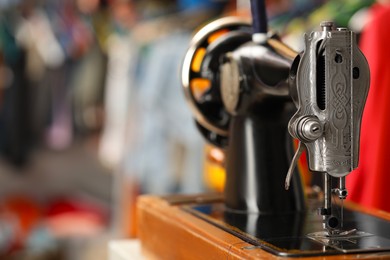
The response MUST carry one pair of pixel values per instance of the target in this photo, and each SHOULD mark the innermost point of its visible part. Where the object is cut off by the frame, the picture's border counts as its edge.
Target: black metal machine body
(247, 117)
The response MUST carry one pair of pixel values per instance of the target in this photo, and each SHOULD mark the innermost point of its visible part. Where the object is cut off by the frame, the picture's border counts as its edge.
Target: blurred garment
(80, 79)
(45, 62)
(59, 132)
(165, 150)
(369, 184)
(36, 35)
(88, 81)
(89, 78)
(122, 59)
(15, 138)
(191, 5)
(305, 16)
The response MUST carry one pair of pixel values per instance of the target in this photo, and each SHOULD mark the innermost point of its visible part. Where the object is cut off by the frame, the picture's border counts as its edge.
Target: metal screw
(327, 25)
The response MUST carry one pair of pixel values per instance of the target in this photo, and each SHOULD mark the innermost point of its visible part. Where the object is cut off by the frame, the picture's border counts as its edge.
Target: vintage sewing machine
(258, 92)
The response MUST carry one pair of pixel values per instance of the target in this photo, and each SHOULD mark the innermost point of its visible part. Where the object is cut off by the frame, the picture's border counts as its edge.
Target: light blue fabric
(190, 5)
(164, 121)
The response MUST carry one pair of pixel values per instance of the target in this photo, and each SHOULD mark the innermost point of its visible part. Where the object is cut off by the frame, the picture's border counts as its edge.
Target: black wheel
(201, 77)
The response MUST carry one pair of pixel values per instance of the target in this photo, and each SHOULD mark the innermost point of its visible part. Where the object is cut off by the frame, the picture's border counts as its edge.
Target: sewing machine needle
(342, 213)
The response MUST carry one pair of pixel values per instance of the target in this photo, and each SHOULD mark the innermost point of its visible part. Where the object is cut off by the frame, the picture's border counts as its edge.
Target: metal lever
(293, 164)
(307, 129)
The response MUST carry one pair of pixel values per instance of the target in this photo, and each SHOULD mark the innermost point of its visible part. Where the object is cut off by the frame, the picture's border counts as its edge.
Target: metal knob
(309, 128)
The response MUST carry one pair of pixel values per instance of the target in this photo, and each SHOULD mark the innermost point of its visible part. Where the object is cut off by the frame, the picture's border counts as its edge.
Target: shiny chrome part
(332, 83)
(339, 234)
(195, 43)
(341, 191)
(230, 84)
(330, 222)
(326, 26)
(309, 128)
(327, 191)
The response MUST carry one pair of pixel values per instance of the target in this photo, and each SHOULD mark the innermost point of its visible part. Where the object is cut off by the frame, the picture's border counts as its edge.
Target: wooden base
(168, 232)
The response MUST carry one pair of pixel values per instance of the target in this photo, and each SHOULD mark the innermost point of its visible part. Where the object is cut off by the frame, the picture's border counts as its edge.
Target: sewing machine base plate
(200, 226)
(290, 234)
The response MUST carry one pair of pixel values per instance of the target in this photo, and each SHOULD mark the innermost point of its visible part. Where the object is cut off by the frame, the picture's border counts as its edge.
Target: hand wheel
(201, 76)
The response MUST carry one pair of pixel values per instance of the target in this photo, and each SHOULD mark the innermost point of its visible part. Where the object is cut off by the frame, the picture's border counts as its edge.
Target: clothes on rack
(122, 61)
(304, 16)
(161, 149)
(62, 72)
(166, 150)
(15, 134)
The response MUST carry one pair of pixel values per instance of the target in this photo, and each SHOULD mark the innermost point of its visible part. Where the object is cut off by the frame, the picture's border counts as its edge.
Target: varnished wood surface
(167, 232)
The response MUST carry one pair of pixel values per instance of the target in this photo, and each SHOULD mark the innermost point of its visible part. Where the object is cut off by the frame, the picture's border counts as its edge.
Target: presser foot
(332, 225)
(339, 239)
(341, 233)
(336, 233)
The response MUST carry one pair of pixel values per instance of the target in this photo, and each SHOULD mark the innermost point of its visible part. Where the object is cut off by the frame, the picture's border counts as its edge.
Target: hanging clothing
(306, 16)
(368, 185)
(15, 117)
(44, 60)
(122, 56)
(166, 150)
(90, 75)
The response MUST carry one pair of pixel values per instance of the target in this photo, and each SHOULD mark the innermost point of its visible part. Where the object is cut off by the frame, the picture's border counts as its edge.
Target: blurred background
(92, 113)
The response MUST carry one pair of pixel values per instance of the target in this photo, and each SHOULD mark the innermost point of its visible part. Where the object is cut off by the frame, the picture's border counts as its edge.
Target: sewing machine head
(252, 81)
(330, 82)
